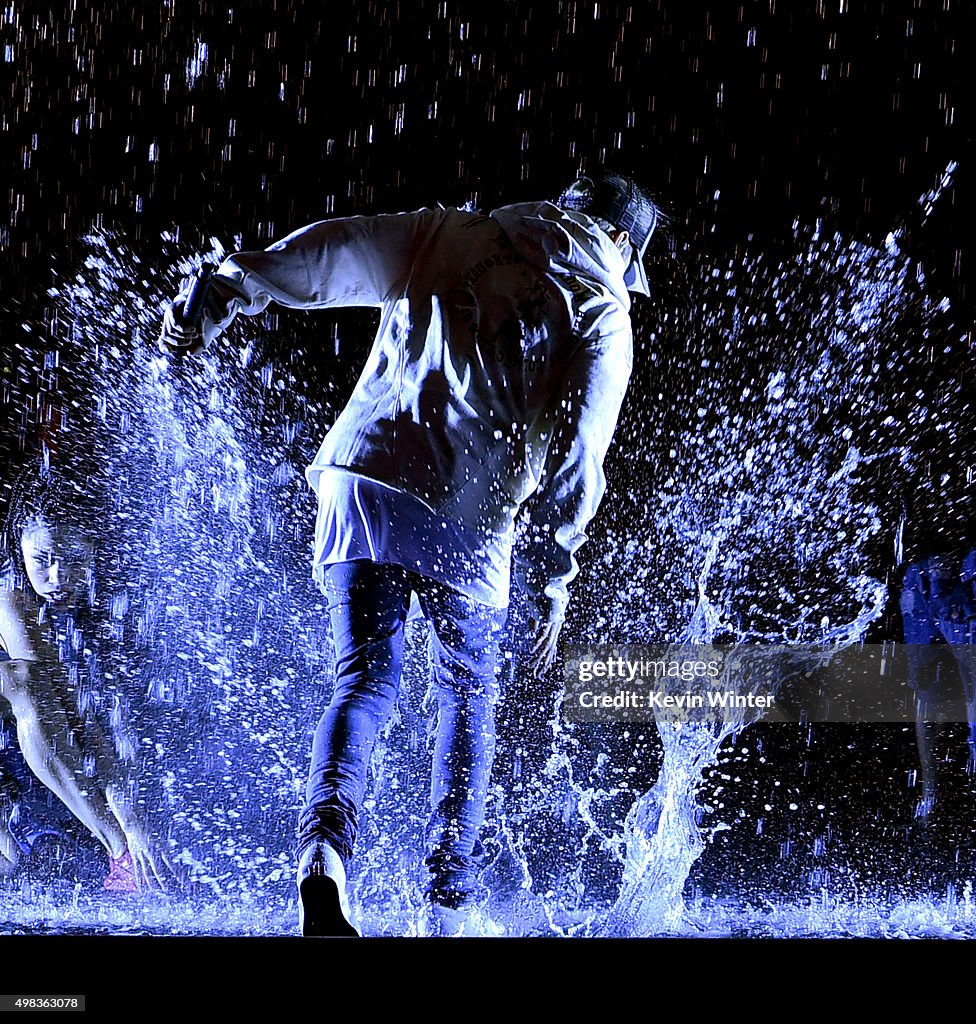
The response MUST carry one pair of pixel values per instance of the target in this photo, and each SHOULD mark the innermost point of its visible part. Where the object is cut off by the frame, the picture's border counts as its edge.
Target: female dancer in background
(48, 562)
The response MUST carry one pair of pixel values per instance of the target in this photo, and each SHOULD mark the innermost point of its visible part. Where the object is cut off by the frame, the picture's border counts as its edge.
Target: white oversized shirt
(497, 374)
(362, 518)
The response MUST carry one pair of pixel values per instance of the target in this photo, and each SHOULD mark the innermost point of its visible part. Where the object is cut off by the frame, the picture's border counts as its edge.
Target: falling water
(199, 571)
(759, 533)
(794, 425)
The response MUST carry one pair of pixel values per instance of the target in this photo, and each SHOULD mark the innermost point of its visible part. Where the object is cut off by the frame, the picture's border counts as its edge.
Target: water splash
(755, 494)
(211, 620)
(767, 506)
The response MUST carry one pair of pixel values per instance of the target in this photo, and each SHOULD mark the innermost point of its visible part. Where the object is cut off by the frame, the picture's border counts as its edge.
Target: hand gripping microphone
(196, 300)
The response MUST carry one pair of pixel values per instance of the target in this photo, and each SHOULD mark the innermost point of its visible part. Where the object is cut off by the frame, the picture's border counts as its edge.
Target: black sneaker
(323, 908)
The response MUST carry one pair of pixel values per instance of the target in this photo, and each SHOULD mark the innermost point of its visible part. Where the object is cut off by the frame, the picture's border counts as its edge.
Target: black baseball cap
(620, 200)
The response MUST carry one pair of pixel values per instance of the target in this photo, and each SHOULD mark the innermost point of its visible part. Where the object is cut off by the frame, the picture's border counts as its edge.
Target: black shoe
(323, 909)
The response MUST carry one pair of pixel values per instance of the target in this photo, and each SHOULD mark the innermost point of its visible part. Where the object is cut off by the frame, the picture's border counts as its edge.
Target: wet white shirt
(362, 518)
(497, 374)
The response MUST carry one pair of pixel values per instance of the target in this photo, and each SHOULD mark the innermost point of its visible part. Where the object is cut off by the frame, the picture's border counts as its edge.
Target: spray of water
(753, 518)
(763, 529)
(201, 570)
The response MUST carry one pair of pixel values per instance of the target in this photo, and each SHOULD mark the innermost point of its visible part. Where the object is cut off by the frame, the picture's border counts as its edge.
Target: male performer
(501, 361)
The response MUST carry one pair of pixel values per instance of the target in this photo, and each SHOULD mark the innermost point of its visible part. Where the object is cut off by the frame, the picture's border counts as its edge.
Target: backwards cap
(619, 200)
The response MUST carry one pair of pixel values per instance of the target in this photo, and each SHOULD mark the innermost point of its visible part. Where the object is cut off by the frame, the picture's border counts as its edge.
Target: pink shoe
(121, 876)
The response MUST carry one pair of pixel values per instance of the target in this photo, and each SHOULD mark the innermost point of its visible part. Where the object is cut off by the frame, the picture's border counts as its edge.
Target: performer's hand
(150, 860)
(177, 336)
(546, 636)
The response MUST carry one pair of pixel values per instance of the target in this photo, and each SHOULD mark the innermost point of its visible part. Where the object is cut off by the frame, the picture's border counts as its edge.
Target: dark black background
(844, 114)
